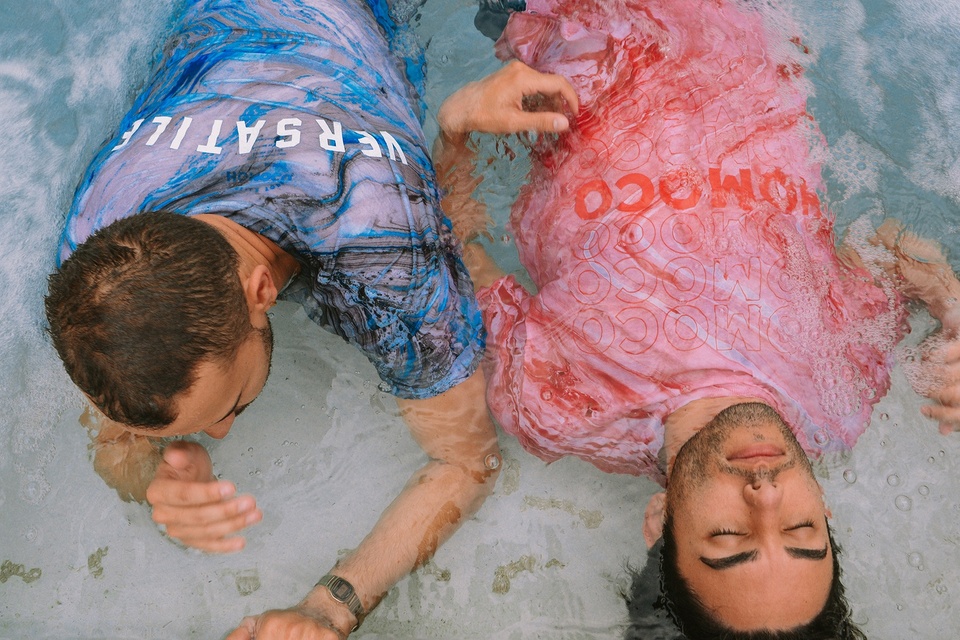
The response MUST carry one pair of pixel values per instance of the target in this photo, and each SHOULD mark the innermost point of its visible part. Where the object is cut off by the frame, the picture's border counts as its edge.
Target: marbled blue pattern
(293, 118)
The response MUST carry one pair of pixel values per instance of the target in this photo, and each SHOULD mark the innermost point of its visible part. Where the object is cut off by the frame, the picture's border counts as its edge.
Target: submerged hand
(514, 99)
(197, 509)
(295, 623)
(946, 390)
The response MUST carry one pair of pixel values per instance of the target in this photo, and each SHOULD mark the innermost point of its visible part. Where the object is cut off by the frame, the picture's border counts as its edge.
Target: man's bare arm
(455, 430)
(496, 104)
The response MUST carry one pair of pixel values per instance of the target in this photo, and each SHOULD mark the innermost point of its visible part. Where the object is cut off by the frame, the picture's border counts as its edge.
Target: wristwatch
(342, 591)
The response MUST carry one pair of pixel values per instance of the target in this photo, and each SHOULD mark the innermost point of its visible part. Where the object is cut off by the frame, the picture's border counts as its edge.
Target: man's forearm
(456, 431)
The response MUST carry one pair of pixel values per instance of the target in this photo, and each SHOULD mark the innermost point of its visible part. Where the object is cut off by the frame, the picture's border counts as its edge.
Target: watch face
(341, 590)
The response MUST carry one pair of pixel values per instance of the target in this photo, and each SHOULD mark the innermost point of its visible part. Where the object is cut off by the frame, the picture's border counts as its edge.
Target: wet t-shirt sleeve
(555, 391)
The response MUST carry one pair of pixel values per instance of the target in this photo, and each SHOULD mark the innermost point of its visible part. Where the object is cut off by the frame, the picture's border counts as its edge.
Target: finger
(537, 82)
(182, 493)
(554, 85)
(947, 395)
(545, 122)
(232, 544)
(946, 416)
(213, 530)
(246, 631)
(950, 353)
(204, 514)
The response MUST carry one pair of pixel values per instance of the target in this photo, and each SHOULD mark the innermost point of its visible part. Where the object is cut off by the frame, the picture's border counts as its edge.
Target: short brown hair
(139, 305)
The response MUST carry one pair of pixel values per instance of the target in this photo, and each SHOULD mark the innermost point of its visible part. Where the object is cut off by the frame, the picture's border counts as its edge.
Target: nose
(220, 430)
(761, 492)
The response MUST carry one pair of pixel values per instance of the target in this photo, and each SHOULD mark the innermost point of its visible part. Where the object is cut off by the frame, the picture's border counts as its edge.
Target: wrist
(335, 599)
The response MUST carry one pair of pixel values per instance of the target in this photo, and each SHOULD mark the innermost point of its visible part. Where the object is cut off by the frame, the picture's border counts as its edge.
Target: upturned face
(749, 521)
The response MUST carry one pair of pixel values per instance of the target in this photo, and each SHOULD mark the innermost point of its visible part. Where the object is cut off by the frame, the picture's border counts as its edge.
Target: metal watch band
(342, 591)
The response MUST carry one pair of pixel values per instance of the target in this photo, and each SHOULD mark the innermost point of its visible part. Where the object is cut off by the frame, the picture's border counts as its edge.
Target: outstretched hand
(514, 99)
(922, 272)
(197, 509)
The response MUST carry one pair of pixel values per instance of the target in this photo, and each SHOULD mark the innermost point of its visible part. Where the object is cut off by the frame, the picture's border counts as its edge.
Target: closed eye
(802, 525)
(725, 532)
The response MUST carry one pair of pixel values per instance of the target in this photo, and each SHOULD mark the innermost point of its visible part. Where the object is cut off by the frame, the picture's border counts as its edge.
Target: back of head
(697, 622)
(139, 305)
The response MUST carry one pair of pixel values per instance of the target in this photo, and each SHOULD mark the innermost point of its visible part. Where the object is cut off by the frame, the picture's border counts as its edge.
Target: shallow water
(324, 451)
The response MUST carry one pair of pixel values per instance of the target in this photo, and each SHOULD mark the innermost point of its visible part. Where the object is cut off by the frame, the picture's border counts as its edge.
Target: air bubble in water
(35, 489)
(893, 480)
(941, 589)
(821, 437)
(899, 607)
(884, 417)
(923, 490)
(915, 560)
(904, 503)
(850, 476)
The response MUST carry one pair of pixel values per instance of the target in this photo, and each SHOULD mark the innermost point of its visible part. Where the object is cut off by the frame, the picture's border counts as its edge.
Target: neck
(254, 249)
(685, 422)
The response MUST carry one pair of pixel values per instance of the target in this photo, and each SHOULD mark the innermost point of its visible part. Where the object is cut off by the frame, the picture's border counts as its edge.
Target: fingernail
(227, 489)
(254, 516)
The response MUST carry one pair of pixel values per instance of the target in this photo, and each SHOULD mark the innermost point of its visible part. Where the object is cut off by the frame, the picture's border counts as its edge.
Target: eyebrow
(727, 562)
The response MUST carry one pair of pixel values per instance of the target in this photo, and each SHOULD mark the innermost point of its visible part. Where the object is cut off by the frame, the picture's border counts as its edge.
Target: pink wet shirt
(677, 241)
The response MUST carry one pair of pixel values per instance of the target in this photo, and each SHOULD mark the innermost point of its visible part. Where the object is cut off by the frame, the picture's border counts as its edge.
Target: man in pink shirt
(693, 320)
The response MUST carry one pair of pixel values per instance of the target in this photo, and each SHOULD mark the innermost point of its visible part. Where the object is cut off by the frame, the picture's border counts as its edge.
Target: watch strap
(343, 592)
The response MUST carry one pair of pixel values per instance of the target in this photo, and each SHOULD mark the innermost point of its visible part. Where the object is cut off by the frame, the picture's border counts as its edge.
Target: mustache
(759, 473)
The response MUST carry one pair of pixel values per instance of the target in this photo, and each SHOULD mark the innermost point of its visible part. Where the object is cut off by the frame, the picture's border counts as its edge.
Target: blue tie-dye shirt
(293, 119)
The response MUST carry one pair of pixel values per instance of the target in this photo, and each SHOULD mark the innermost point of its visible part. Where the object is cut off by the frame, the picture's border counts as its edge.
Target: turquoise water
(324, 451)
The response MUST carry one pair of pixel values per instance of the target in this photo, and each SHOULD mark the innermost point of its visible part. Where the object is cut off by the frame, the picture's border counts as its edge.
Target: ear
(826, 510)
(653, 518)
(260, 293)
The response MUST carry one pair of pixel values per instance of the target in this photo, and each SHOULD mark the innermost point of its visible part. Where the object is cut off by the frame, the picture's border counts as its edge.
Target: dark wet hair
(696, 622)
(139, 306)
